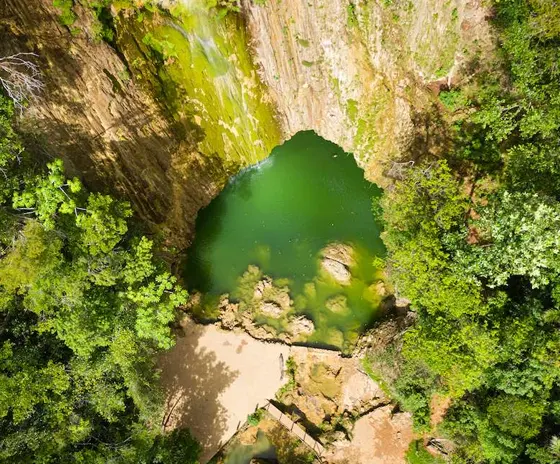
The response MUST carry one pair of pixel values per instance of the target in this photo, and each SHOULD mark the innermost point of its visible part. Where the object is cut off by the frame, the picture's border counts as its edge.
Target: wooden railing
(295, 429)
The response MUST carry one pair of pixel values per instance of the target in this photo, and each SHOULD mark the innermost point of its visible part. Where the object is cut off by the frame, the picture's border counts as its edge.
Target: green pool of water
(242, 454)
(278, 215)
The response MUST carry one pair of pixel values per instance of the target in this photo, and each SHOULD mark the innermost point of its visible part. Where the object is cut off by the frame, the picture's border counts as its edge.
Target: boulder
(337, 258)
(402, 303)
(440, 447)
(301, 326)
(228, 313)
(340, 252)
(336, 270)
(361, 394)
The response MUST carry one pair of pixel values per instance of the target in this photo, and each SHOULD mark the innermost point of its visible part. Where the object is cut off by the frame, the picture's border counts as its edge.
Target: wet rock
(380, 288)
(272, 309)
(301, 326)
(261, 287)
(337, 270)
(340, 252)
(337, 258)
(283, 299)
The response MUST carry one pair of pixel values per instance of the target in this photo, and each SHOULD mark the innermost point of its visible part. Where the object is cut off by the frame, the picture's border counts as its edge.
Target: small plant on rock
(255, 418)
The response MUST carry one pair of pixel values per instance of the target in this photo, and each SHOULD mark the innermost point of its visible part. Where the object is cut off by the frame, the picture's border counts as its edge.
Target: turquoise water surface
(278, 215)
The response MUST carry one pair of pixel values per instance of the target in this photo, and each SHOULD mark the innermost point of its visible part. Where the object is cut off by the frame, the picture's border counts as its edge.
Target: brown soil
(439, 406)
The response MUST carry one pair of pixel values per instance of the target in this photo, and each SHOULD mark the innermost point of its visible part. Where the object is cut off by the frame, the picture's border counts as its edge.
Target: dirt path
(214, 379)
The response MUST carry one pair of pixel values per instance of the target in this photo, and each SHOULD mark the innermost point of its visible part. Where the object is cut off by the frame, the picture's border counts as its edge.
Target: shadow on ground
(193, 390)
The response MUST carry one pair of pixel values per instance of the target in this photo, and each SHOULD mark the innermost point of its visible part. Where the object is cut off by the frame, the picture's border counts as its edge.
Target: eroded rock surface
(329, 386)
(272, 309)
(301, 326)
(380, 437)
(336, 260)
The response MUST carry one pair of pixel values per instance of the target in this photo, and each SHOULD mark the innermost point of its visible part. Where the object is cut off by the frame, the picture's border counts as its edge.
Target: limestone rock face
(347, 70)
(112, 128)
(352, 73)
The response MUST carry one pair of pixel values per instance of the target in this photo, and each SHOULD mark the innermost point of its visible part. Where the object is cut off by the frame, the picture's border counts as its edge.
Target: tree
(20, 78)
(85, 309)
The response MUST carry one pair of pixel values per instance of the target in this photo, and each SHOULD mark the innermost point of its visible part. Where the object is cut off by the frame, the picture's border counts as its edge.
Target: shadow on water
(193, 380)
(197, 267)
(244, 454)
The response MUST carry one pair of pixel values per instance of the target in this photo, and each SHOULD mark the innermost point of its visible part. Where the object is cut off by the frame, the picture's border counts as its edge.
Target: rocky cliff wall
(357, 71)
(181, 100)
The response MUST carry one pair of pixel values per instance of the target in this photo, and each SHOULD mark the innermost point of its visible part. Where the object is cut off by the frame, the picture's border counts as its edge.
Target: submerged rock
(337, 270)
(337, 258)
(380, 288)
(337, 304)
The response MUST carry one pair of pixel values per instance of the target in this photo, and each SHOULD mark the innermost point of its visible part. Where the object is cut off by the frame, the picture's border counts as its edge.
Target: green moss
(67, 17)
(291, 384)
(418, 454)
(371, 113)
(307, 63)
(163, 47)
(303, 42)
(352, 19)
(203, 73)
(352, 109)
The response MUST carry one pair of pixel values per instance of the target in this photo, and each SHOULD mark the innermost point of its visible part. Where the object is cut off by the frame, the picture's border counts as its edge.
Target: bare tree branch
(398, 170)
(20, 77)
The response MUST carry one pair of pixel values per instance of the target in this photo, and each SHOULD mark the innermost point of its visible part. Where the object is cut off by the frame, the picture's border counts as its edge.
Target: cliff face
(357, 71)
(181, 101)
(110, 122)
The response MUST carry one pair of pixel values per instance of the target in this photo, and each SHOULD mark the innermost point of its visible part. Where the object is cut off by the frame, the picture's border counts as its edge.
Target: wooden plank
(295, 429)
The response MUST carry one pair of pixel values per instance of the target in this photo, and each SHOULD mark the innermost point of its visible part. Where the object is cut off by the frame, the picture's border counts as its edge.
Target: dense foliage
(84, 309)
(480, 259)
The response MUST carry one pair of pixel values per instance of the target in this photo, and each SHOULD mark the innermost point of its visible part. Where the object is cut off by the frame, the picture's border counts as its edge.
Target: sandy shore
(213, 379)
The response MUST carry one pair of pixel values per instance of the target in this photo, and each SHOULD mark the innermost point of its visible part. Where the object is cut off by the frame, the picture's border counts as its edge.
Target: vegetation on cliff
(85, 307)
(473, 243)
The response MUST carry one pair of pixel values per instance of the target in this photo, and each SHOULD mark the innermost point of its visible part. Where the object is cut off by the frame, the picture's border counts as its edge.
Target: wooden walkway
(295, 429)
